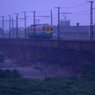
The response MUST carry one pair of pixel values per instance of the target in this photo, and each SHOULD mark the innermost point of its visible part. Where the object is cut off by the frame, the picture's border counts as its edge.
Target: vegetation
(9, 74)
(2, 58)
(88, 71)
(72, 85)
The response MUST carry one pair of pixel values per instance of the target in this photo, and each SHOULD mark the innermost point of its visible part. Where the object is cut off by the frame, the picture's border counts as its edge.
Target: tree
(2, 58)
(88, 71)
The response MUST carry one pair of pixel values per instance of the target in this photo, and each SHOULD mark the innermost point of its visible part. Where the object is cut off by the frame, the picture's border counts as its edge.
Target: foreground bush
(2, 58)
(88, 71)
(12, 85)
(53, 86)
(9, 73)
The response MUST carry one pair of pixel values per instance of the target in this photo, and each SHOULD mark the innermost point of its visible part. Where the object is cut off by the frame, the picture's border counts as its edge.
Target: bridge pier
(54, 61)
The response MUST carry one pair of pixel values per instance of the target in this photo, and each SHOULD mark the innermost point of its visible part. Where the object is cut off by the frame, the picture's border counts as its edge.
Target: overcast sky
(79, 10)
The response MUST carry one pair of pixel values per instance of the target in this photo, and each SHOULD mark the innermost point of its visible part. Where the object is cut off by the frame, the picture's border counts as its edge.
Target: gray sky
(79, 10)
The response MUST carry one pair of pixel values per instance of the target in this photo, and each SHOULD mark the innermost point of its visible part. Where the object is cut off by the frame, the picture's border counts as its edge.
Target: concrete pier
(53, 61)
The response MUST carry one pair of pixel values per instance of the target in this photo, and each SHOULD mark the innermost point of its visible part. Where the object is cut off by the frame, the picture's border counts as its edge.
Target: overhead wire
(55, 15)
(78, 15)
(79, 12)
(46, 10)
(79, 5)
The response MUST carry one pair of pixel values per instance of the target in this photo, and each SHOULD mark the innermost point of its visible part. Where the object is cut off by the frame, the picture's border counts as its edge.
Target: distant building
(64, 22)
(74, 30)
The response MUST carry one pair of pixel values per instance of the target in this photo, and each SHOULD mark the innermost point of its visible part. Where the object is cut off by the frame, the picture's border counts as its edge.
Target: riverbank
(26, 71)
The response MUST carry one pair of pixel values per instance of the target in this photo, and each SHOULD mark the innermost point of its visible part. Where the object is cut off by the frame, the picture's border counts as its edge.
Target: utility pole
(25, 23)
(91, 25)
(17, 25)
(2, 26)
(58, 35)
(91, 20)
(34, 23)
(51, 18)
(9, 25)
(12, 27)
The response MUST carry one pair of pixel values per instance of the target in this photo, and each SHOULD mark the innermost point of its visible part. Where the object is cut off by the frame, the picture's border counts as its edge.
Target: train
(40, 31)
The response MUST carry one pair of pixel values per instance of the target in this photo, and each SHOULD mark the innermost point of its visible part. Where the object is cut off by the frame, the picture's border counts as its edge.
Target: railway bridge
(64, 44)
(59, 57)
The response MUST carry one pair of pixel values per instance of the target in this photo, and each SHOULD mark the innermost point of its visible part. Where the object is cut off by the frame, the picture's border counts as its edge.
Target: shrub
(73, 77)
(2, 74)
(47, 78)
(16, 74)
(10, 73)
(88, 71)
(7, 73)
(2, 58)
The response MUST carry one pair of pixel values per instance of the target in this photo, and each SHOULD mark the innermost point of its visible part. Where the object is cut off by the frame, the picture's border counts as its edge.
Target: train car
(41, 31)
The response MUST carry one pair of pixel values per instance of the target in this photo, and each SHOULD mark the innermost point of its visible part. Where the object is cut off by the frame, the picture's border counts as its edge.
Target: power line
(79, 5)
(45, 10)
(81, 12)
(78, 11)
(78, 15)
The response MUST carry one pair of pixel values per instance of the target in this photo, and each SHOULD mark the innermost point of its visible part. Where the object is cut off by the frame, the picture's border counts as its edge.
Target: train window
(47, 29)
(44, 29)
(51, 29)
